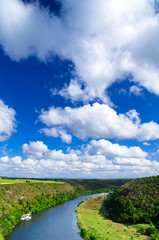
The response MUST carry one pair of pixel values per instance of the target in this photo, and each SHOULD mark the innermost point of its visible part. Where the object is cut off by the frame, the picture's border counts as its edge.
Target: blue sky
(79, 88)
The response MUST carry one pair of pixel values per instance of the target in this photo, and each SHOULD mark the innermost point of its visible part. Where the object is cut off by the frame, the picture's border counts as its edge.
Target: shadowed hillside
(136, 202)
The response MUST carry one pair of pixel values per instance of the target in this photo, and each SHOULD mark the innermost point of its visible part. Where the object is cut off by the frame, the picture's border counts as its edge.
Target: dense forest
(20, 198)
(137, 201)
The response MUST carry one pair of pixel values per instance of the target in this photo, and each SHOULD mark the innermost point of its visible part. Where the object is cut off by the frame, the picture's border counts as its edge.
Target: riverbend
(59, 222)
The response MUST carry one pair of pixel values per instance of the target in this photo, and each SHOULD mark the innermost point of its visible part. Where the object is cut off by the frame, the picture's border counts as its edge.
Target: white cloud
(4, 149)
(65, 137)
(134, 161)
(148, 131)
(91, 161)
(106, 40)
(146, 143)
(73, 91)
(136, 90)
(35, 149)
(106, 148)
(27, 30)
(53, 132)
(7, 121)
(54, 117)
(50, 132)
(97, 121)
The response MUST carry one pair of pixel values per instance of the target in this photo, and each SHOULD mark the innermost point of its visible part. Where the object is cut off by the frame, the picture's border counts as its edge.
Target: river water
(57, 223)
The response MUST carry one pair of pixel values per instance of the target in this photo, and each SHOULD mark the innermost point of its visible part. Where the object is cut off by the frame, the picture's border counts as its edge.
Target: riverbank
(47, 224)
(20, 198)
(95, 226)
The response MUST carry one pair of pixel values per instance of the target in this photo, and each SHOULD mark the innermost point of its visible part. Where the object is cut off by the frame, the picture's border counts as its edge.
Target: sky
(79, 88)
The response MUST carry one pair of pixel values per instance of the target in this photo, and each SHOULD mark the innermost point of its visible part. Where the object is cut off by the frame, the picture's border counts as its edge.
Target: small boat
(26, 217)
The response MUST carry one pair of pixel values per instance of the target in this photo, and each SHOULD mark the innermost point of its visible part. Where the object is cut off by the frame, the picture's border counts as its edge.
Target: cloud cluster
(97, 121)
(7, 121)
(106, 41)
(100, 159)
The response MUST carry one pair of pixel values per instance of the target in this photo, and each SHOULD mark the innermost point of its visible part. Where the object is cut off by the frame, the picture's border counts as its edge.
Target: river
(57, 223)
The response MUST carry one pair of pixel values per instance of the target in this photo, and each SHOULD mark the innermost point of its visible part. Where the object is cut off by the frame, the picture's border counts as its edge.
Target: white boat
(26, 217)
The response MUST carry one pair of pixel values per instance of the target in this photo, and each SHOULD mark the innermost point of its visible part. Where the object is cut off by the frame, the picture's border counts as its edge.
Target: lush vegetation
(98, 185)
(27, 196)
(95, 226)
(136, 202)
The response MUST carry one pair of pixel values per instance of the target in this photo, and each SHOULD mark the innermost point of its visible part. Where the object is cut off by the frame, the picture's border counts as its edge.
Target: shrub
(93, 237)
(83, 233)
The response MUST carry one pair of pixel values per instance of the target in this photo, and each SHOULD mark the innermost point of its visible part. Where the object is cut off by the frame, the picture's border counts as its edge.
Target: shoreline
(94, 225)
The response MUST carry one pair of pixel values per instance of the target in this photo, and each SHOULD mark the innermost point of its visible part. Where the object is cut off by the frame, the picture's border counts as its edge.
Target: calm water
(58, 223)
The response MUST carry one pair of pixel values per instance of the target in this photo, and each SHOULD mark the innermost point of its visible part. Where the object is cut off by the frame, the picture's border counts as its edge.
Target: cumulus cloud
(106, 40)
(35, 149)
(106, 148)
(7, 121)
(23, 27)
(97, 121)
(100, 159)
(148, 131)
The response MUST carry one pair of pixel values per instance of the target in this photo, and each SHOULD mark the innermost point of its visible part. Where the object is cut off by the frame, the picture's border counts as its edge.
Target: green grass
(3, 180)
(140, 227)
(18, 197)
(99, 227)
(46, 181)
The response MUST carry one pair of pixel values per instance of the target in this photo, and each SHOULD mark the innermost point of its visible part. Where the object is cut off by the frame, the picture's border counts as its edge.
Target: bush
(142, 230)
(80, 203)
(83, 233)
(93, 237)
(152, 231)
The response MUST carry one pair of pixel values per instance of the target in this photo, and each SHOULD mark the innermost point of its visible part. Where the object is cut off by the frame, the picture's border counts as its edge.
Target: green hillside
(136, 202)
(17, 199)
(95, 226)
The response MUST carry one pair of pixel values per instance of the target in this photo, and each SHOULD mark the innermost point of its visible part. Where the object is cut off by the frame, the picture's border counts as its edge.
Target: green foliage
(98, 184)
(18, 199)
(83, 233)
(33, 195)
(86, 235)
(1, 237)
(80, 203)
(136, 202)
(90, 217)
(93, 237)
(153, 232)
